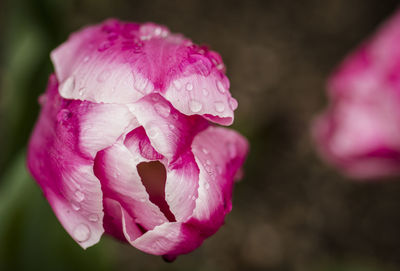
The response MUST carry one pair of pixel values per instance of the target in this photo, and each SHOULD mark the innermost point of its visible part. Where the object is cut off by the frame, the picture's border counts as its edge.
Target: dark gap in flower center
(154, 176)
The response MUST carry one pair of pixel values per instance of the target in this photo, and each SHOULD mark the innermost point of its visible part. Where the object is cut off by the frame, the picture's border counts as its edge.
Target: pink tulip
(360, 131)
(124, 143)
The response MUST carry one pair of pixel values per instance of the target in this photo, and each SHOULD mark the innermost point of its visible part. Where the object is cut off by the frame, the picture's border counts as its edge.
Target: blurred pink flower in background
(124, 143)
(360, 131)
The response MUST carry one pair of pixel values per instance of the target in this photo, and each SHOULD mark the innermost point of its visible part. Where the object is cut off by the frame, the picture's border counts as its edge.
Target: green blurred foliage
(31, 238)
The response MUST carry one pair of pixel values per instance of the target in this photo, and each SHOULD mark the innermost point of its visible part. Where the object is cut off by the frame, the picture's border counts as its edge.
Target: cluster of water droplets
(81, 231)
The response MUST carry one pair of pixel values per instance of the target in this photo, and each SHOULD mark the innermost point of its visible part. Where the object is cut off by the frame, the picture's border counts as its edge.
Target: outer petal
(117, 62)
(219, 153)
(64, 173)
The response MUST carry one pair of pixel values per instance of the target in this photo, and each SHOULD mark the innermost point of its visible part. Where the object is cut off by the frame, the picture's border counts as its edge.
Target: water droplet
(193, 198)
(67, 86)
(80, 92)
(157, 31)
(79, 196)
(143, 86)
(86, 59)
(233, 103)
(204, 150)
(152, 132)
(195, 106)
(231, 150)
(75, 206)
(219, 107)
(171, 126)
(205, 91)
(81, 233)
(104, 46)
(93, 218)
(207, 186)
(103, 76)
(177, 85)
(142, 199)
(175, 116)
(43, 99)
(220, 66)
(162, 109)
(63, 115)
(220, 87)
(189, 86)
(208, 162)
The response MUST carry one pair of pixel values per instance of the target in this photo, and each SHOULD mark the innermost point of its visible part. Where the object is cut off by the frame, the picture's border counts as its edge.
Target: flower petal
(219, 153)
(114, 224)
(170, 239)
(120, 181)
(64, 173)
(169, 131)
(116, 62)
(182, 185)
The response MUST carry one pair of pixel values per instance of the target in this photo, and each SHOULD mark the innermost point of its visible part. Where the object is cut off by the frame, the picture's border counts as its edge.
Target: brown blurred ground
(291, 212)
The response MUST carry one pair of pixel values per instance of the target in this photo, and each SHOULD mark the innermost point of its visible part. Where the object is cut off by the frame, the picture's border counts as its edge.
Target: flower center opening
(154, 176)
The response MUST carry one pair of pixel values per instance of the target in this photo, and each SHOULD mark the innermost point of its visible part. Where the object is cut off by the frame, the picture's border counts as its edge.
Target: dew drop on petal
(162, 109)
(43, 99)
(208, 162)
(177, 85)
(75, 206)
(67, 86)
(195, 106)
(219, 107)
(220, 87)
(81, 233)
(205, 92)
(207, 186)
(204, 150)
(104, 46)
(233, 103)
(93, 218)
(171, 126)
(152, 132)
(103, 76)
(231, 150)
(79, 196)
(63, 115)
(189, 86)
(86, 59)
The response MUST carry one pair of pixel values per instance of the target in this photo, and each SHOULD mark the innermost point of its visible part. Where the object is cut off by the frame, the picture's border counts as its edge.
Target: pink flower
(360, 131)
(124, 144)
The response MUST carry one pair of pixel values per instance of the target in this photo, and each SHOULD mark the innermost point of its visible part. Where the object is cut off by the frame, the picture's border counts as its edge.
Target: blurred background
(291, 211)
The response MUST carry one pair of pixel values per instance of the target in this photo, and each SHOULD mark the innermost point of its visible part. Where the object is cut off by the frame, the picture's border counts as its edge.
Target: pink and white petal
(93, 65)
(170, 239)
(63, 172)
(209, 96)
(137, 142)
(182, 174)
(169, 131)
(117, 222)
(219, 153)
(103, 124)
(117, 62)
(116, 169)
(182, 185)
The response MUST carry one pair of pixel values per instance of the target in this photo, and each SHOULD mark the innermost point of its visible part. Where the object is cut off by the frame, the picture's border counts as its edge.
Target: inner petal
(154, 176)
